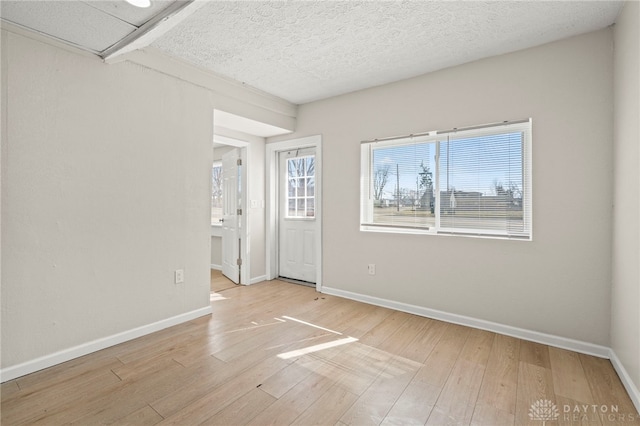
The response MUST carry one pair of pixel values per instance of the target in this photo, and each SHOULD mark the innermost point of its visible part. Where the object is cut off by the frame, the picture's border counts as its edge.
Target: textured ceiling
(304, 51)
(307, 50)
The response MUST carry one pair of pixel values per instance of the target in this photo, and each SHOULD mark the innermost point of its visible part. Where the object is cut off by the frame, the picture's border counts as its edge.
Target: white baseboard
(46, 361)
(258, 279)
(216, 267)
(521, 333)
(631, 388)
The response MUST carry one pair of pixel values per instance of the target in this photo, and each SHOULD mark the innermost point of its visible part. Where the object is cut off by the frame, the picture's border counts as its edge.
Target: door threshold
(300, 282)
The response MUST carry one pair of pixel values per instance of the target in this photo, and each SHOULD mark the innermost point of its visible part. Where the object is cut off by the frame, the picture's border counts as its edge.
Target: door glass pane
(311, 187)
(291, 189)
(292, 208)
(301, 187)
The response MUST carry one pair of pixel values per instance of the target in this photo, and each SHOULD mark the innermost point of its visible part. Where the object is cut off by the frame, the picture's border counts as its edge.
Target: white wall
(557, 284)
(625, 306)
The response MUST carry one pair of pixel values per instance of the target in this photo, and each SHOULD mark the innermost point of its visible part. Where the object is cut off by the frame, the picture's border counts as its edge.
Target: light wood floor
(278, 353)
(219, 282)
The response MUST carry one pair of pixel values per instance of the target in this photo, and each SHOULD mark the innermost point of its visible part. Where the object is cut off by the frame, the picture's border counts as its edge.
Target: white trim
(258, 279)
(520, 333)
(271, 157)
(245, 230)
(628, 384)
(64, 355)
(216, 267)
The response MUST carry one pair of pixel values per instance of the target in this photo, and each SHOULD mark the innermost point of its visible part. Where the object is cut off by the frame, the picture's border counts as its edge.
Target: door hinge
(239, 162)
(239, 262)
(239, 212)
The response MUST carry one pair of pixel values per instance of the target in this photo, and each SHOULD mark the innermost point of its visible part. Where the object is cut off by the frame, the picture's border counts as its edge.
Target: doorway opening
(229, 228)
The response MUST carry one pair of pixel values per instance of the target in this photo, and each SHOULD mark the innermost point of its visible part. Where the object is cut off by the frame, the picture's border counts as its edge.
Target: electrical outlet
(179, 276)
(371, 268)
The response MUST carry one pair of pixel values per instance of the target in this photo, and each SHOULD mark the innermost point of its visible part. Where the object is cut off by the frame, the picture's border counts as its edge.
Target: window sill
(425, 231)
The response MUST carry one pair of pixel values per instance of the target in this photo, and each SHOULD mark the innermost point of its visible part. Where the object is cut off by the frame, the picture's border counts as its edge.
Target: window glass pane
(403, 185)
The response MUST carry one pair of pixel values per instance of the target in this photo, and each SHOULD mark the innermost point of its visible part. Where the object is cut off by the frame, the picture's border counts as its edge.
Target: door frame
(245, 269)
(272, 197)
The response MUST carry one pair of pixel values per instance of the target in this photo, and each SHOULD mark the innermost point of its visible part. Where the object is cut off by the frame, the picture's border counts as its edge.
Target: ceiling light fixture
(139, 3)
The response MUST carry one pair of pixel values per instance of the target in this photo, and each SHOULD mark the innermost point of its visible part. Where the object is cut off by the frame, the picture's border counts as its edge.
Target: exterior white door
(231, 206)
(297, 215)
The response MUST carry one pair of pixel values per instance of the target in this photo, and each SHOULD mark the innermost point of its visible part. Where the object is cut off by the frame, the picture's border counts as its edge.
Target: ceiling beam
(153, 29)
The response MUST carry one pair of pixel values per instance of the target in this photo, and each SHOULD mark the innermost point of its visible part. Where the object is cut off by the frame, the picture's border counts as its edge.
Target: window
(301, 187)
(216, 193)
(474, 181)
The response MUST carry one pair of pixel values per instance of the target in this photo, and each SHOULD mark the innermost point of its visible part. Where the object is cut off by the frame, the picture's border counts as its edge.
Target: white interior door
(231, 206)
(297, 215)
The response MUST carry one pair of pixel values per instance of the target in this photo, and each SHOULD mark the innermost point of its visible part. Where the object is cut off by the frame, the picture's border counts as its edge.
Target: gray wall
(560, 282)
(105, 192)
(625, 306)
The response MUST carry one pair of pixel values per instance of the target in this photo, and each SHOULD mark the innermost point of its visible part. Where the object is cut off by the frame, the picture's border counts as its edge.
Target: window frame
(367, 223)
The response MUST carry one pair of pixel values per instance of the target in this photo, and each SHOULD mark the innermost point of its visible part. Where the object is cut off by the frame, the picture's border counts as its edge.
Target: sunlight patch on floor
(216, 297)
(311, 325)
(316, 348)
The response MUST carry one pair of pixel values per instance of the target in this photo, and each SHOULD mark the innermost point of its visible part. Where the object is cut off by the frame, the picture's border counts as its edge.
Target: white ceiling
(303, 51)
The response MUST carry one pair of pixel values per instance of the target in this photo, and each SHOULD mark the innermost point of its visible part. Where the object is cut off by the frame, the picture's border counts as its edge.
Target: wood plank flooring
(219, 282)
(278, 353)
